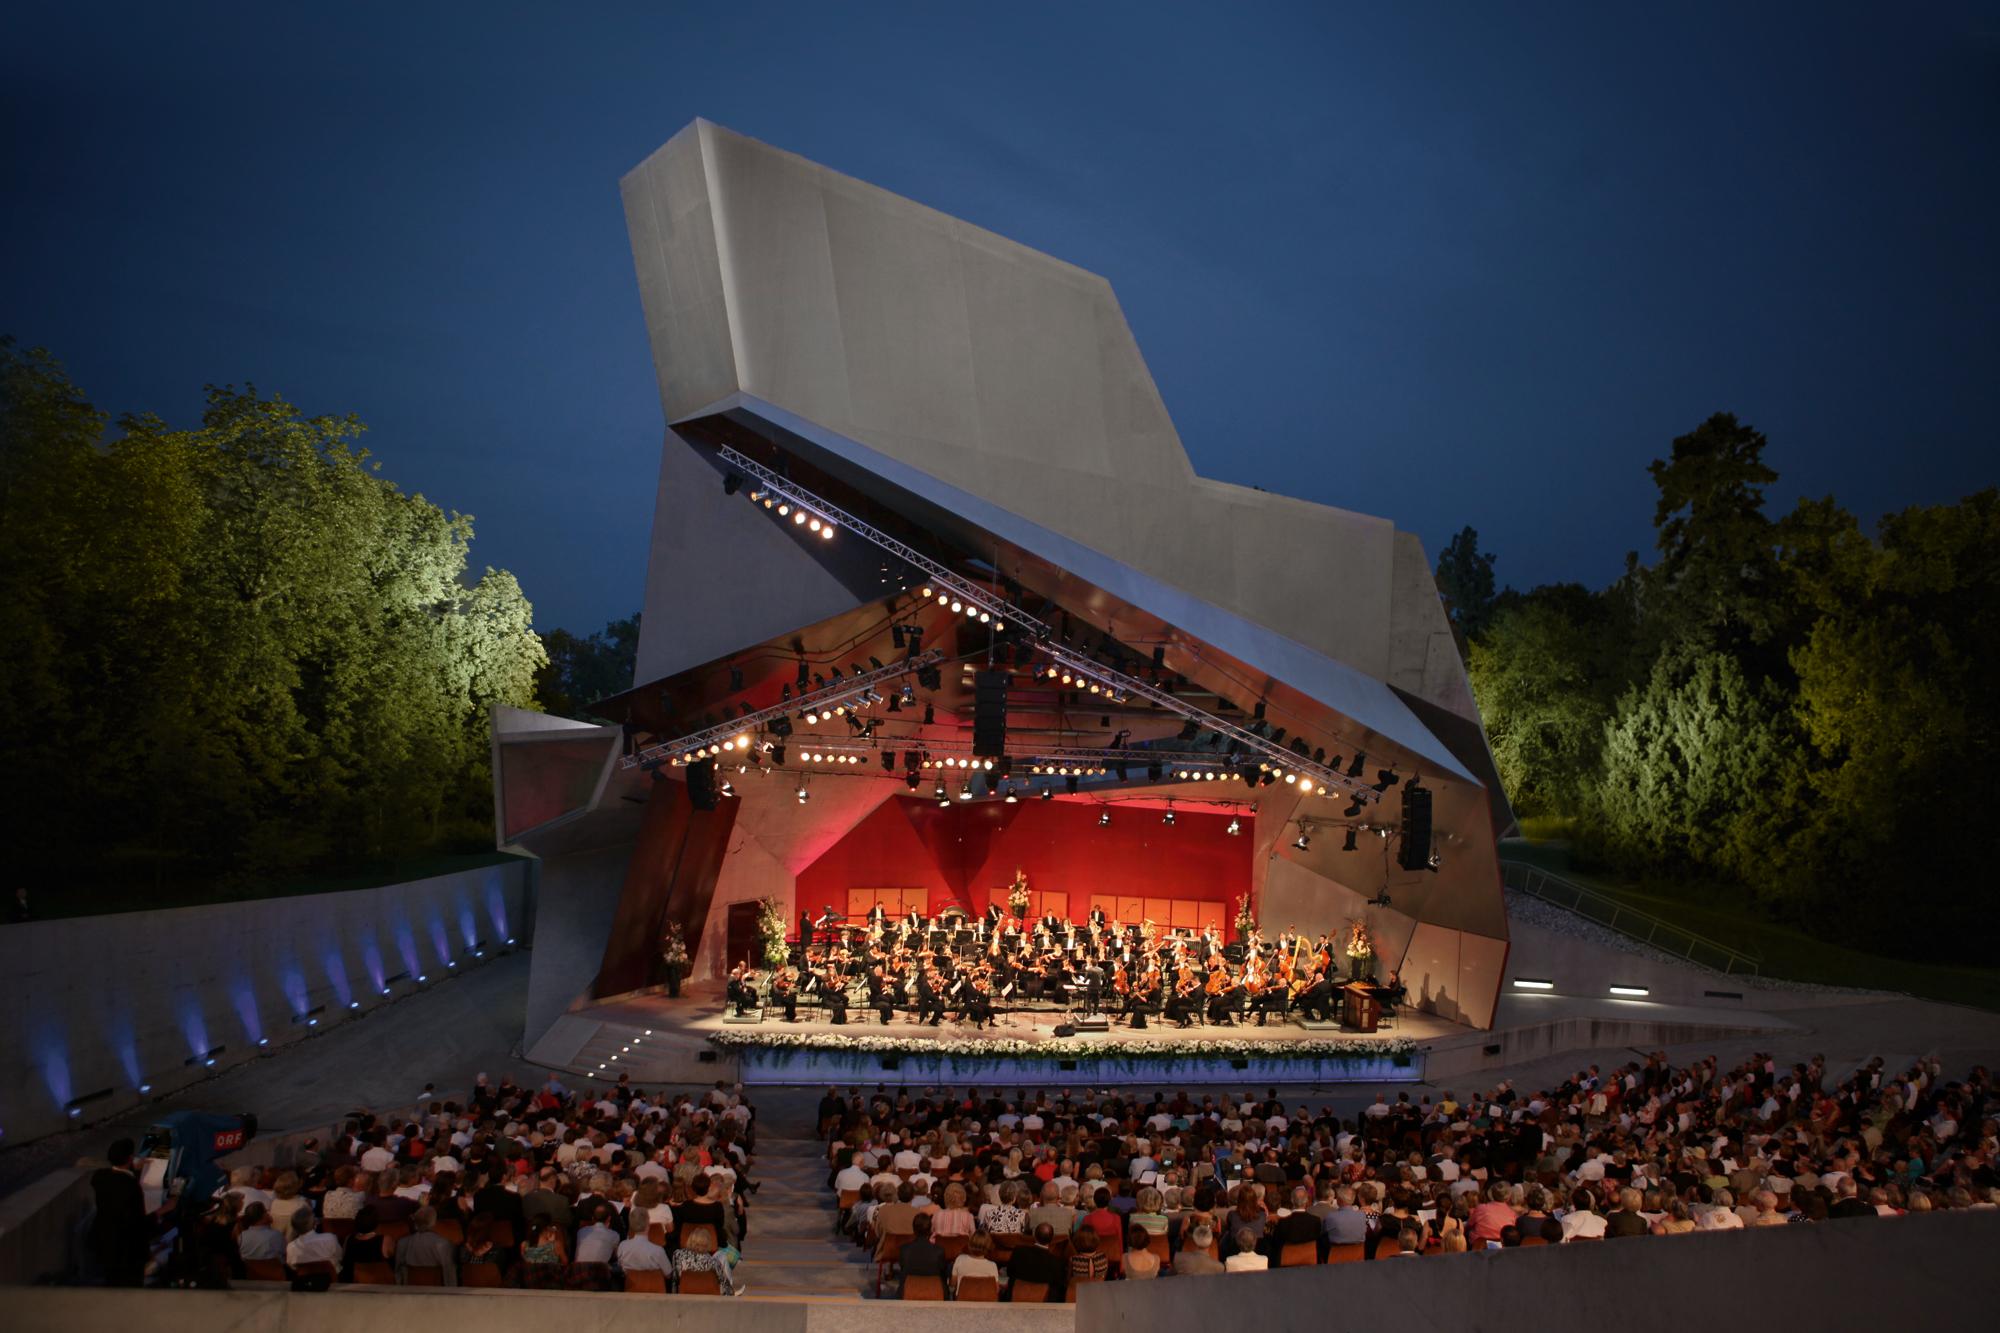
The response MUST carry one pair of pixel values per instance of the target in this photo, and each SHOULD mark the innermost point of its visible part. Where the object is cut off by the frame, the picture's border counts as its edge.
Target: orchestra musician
(881, 995)
(877, 917)
(741, 988)
(785, 993)
(929, 1000)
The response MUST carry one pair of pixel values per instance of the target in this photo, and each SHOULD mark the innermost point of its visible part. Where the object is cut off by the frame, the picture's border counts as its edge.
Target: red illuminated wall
(965, 853)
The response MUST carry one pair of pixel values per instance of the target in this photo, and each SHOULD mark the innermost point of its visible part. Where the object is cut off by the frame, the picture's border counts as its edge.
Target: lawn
(1717, 911)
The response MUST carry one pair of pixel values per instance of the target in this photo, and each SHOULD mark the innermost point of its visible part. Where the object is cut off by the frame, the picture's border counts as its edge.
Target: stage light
(812, 525)
(1385, 779)
(1532, 983)
(1104, 818)
(145, 1088)
(1633, 992)
(803, 794)
(728, 789)
(1360, 761)
(985, 617)
(1290, 778)
(798, 516)
(957, 605)
(1012, 799)
(940, 792)
(1304, 841)
(1235, 827)
(826, 531)
(927, 590)
(1048, 793)
(784, 510)
(930, 715)
(1168, 817)
(1353, 810)
(1348, 846)
(965, 792)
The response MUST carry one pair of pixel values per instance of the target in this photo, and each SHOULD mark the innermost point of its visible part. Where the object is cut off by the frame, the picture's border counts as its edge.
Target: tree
(581, 671)
(1716, 566)
(1545, 674)
(236, 648)
(1465, 582)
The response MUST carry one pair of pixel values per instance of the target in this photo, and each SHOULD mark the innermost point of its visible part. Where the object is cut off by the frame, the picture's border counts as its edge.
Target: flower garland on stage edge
(1002, 1047)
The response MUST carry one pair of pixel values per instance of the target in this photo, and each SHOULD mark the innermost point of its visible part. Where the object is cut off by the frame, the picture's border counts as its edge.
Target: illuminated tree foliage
(1786, 704)
(235, 649)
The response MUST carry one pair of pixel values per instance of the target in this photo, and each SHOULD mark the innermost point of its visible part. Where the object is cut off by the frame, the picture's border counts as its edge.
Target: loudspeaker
(701, 784)
(1415, 851)
(1065, 1030)
(989, 714)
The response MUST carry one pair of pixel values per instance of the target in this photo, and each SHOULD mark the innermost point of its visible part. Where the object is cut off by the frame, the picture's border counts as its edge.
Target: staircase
(792, 1251)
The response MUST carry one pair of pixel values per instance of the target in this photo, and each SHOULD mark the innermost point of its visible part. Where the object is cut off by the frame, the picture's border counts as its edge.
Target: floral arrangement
(1246, 920)
(1017, 896)
(673, 948)
(1358, 945)
(771, 932)
(1057, 1048)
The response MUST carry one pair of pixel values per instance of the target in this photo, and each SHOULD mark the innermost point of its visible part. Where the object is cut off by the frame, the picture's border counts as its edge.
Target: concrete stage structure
(905, 460)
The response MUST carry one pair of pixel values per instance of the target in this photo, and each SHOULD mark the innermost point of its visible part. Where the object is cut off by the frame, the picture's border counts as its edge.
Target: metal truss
(735, 734)
(769, 485)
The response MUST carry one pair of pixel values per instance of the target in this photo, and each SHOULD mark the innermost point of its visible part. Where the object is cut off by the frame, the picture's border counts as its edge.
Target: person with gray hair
(424, 1248)
(1194, 1260)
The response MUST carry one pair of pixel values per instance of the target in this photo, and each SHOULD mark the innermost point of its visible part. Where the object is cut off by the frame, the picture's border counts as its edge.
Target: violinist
(741, 988)
(1313, 994)
(881, 994)
(1186, 1000)
(1225, 997)
(929, 1000)
(833, 985)
(785, 993)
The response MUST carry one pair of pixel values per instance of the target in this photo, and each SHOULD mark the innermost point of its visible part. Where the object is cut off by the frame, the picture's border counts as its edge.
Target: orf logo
(228, 1140)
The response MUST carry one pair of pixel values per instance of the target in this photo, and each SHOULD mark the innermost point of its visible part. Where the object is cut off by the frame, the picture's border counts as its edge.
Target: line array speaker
(989, 714)
(701, 785)
(1415, 851)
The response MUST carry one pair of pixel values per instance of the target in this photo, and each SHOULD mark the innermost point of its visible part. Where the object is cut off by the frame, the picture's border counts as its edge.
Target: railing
(1628, 921)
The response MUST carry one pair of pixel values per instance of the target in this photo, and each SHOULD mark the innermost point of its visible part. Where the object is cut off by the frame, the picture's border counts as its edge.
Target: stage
(658, 1040)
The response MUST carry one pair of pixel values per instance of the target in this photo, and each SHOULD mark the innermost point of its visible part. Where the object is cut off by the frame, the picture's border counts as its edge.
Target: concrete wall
(364, 1309)
(1836, 1275)
(116, 1002)
(1583, 967)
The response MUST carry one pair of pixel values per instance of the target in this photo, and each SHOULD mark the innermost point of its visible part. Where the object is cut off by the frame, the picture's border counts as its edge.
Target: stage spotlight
(1386, 778)
(732, 483)
(1190, 729)
(1012, 799)
(1360, 761)
(1348, 845)
(804, 678)
(799, 517)
(727, 789)
(783, 510)
(1069, 784)
(930, 715)
(965, 792)
(1235, 827)
(1353, 810)
(1168, 817)
(777, 754)
(1104, 817)
(803, 794)
(911, 779)
(1048, 793)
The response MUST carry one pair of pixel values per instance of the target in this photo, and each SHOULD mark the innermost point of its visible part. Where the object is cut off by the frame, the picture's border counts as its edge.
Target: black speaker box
(989, 714)
(1065, 1030)
(1415, 850)
(701, 785)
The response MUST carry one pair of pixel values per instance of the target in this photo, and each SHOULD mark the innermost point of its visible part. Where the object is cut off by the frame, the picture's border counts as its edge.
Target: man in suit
(424, 1248)
(118, 1231)
(877, 916)
(1038, 1262)
(1194, 1259)
(921, 1255)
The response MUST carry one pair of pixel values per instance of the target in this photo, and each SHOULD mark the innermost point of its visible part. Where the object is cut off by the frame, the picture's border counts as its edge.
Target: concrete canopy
(986, 406)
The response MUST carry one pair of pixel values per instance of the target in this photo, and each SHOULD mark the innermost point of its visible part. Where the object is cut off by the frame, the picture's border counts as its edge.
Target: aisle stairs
(792, 1252)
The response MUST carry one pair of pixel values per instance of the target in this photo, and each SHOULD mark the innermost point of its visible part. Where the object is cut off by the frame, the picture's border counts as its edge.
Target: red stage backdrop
(967, 853)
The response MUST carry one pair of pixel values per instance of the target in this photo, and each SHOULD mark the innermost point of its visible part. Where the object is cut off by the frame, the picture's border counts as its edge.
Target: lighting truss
(942, 580)
(1277, 755)
(720, 739)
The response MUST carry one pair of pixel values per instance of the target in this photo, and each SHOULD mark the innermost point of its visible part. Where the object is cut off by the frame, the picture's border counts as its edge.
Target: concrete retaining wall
(116, 1003)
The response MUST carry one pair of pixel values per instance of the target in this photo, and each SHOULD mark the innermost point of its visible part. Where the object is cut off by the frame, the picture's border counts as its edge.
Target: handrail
(1631, 922)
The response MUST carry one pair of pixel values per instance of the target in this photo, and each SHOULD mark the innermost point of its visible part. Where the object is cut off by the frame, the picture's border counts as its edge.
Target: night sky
(1471, 264)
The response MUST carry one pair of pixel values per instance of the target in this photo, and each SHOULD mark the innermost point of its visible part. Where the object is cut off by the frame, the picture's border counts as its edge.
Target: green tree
(241, 649)
(1546, 672)
(1715, 577)
(582, 670)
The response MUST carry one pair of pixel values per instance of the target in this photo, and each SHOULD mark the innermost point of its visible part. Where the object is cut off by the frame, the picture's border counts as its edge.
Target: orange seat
(375, 1275)
(978, 1289)
(503, 1233)
(343, 1227)
(886, 1254)
(1156, 1243)
(953, 1246)
(450, 1230)
(479, 1275)
(700, 1282)
(1529, 1242)
(319, 1268)
(650, 1280)
(848, 1198)
(923, 1288)
(1069, 1296)
(1033, 1292)
(423, 1275)
(1298, 1255)
(264, 1270)
(393, 1231)
(1346, 1254)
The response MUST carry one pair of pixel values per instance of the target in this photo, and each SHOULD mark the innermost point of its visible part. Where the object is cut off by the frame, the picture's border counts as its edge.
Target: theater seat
(479, 1275)
(264, 1270)
(423, 1275)
(700, 1282)
(923, 1288)
(1346, 1254)
(979, 1289)
(1299, 1255)
(1034, 1293)
(650, 1280)
(374, 1275)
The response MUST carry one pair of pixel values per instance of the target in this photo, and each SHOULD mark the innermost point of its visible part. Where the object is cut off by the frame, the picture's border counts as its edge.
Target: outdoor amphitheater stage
(658, 1039)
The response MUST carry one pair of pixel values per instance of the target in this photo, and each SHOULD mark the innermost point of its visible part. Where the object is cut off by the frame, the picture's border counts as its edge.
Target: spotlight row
(979, 765)
(1068, 770)
(957, 604)
(786, 507)
(1069, 679)
(828, 757)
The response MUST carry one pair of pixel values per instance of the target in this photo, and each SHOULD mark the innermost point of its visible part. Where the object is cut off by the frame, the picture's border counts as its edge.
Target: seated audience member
(698, 1253)
(976, 1261)
(1246, 1259)
(1006, 1217)
(596, 1241)
(1037, 1260)
(309, 1244)
(953, 1219)
(424, 1248)
(365, 1245)
(921, 1256)
(1194, 1260)
(258, 1239)
(642, 1251)
(480, 1246)
(1492, 1217)
(286, 1200)
(1140, 1261)
(1087, 1263)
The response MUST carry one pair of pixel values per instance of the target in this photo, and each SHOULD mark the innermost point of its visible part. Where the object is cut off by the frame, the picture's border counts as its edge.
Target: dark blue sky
(1471, 264)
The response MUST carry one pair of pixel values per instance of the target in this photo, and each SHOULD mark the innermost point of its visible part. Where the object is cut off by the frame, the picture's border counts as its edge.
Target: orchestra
(976, 968)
